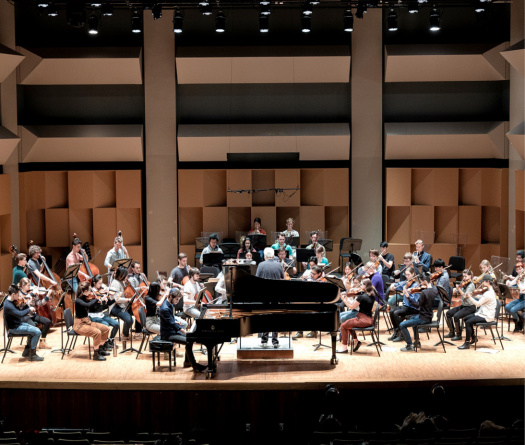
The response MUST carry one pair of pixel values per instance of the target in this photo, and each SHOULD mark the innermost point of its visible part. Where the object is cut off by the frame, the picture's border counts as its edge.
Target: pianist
(271, 270)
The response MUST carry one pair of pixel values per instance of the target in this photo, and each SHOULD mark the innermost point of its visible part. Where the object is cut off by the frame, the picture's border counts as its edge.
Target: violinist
(407, 262)
(246, 247)
(485, 269)
(180, 271)
(97, 313)
(13, 317)
(520, 258)
(190, 291)
(351, 285)
(18, 271)
(316, 274)
(399, 313)
(454, 315)
(281, 243)
(153, 303)
(117, 252)
(320, 253)
(119, 302)
(387, 259)
(486, 308)
(518, 304)
(423, 303)
(311, 263)
(212, 246)
(442, 279)
(374, 259)
(32, 300)
(420, 257)
(287, 263)
(365, 302)
(83, 324)
(75, 257)
(35, 264)
(377, 281)
(257, 228)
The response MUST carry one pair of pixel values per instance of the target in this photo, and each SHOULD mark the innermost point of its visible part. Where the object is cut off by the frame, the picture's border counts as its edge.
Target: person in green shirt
(18, 271)
(281, 243)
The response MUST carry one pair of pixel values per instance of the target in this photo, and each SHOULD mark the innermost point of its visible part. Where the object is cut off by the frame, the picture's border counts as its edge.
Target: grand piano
(262, 305)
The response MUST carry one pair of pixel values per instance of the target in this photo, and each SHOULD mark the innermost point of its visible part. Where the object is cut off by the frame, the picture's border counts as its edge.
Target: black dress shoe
(356, 347)
(450, 335)
(457, 338)
(473, 340)
(103, 352)
(398, 339)
(199, 368)
(464, 346)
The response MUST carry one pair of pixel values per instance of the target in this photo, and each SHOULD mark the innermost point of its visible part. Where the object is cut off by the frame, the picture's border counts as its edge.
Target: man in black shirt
(387, 259)
(424, 304)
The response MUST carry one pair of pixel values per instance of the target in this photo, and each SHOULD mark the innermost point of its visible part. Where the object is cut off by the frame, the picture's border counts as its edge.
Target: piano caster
(334, 361)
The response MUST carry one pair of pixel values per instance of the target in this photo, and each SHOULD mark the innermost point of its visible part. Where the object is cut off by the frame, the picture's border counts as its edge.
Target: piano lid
(248, 288)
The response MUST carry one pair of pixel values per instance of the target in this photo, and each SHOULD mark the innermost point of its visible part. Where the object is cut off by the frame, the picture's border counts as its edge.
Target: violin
(436, 275)
(416, 290)
(465, 283)
(480, 290)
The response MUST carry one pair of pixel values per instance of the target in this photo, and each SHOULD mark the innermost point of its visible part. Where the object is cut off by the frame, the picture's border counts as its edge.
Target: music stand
(230, 249)
(446, 300)
(328, 244)
(292, 241)
(212, 259)
(128, 307)
(304, 255)
(61, 303)
(350, 245)
(205, 276)
(124, 262)
(4, 348)
(200, 243)
(258, 241)
(505, 293)
(337, 281)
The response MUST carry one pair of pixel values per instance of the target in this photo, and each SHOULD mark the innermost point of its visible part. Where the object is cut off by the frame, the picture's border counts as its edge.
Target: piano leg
(334, 360)
(212, 357)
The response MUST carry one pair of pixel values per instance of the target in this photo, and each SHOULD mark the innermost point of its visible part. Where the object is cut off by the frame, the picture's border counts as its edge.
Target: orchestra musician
(424, 303)
(180, 271)
(365, 302)
(75, 257)
(314, 238)
(399, 313)
(117, 252)
(14, 322)
(18, 271)
(315, 274)
(172, 331)
(320, 253)
(520, 258)
(212, 246)
(443, 279)
(246, 247)
(287, 263)
(376, 280)
(281, 243)
(289, 228)
(350, 283)
(486, 309)
(485, 269)
(387, 259)
(518, 304)
(35, 264)
(119, 302)
(270, 270)
(190, 292)
(400, 273)
(398, 296)
(32, 299)
(249, 257)
(373, 255)
(420, 257)
(83, 324)
(454, 315)
(97, 313)
(220, 288)
(153, 303)
(257, 227)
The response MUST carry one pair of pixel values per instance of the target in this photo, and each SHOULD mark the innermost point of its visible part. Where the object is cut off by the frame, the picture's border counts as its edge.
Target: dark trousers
(182, 340)
(457, 313)
(399, 313)
(264, 338)
(45, 322)
(118, 312)
(470, 320)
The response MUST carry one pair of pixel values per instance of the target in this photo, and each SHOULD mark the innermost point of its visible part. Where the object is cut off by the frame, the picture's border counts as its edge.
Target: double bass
(87, 270)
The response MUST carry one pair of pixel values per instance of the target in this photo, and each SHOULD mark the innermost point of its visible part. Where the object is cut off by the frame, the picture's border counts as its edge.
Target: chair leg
(9, 341)
(499, 338)
(441, 340)
(65, 347)
(89, 347)
(416, 338)
(140, 347)
(476, 343)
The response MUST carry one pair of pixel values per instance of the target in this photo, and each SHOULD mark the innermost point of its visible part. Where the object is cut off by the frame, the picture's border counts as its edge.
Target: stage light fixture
(480, 7)
(348, 21)
(107, 9)
(413, 7)
(96, 4)
(136, 22)
(42, 4)
(204, 3)
(306, 23)
(265, 10)
(361, 9)
(307, 8)
(156, 11)
(220, 22)
(52, 10)
(264, 23)
(206, 9)
(392, 20)
(264, 2)
(421, 1)
(434, 20)
(178, 20)
(314, 2)
(93, 24)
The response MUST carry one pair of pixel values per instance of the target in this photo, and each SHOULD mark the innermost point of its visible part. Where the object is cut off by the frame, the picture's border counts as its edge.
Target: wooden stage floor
(309, 369)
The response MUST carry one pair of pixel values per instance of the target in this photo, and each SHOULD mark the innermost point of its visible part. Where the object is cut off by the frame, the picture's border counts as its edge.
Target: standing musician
(15, 325)
(257, 227)
(281, 243)
(190, 292)
(289, 228)
(75, 257)
(287, 263)
(518, 304)
(212, 246)
(387, 259)
(180, 271)
(365, 301)
(443, 279)
(83, 324)
(454, 315)
(270, 270)
(245, 248)
(35, 264)
(18, 271)
(120, 302)
(424, 303)
(32, 300)
(117, 252)
(407, 262)
(399, 313)
(420, 257)
(486, 311)
(97, 313)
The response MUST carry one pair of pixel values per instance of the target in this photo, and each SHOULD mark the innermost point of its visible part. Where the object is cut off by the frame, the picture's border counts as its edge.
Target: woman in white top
(486, 309)
(190, 291)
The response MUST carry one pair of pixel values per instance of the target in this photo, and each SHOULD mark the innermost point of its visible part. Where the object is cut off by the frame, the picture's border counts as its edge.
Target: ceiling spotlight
(52, 11)
(42, 4)
(177, 21)
(306, 23)
(264, 2)
(93, 24)
(264, 23)
(421, 1)
(434, 20)
(314, 2)
(480, 7)
(265, 10)
(96, 4)
(413, 7)
(156, 11)
(307, 8)
(220, 22)
(107, 9)
(361, 9)
(392, 20)
(136, 23)
(206, 9)
(348, 21)
(204, 3)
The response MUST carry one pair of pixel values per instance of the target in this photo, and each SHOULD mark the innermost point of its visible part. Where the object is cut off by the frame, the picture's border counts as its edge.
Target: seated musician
(518, 304)
(443, 279)
(485, 269)
(249, 257)
(34, 265)
(153, 303)
(170, 330)
(377, 282)
(387, 259)
(420, 257)
(97, 313)
(83, 324)
(190, 292)
(119, 302)
(117, 252)
(257, 228)
(75, 257)
(398, 313)
(180, 271)
(13, 317)
(315, 274)
(397, 294)
(18, 271)
(424, 303)
(281, 243)
(486, 309)
(289, 232)
(520, 258)
(350, 283)
(136, 279)
(454, 315)
(365, 302)
(407, 262)
(212, 246)
(374, 258)
(320, 253)
(314, 238)
(271, 270)
(287, 263)
(245, 247)
(33, 300)
(307, 273)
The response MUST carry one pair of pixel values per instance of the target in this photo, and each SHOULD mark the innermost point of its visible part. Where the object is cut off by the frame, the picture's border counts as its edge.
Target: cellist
(36, 261)
(140, 285)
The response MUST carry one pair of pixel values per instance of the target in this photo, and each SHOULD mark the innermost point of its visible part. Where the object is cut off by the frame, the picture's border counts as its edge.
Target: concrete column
(160, 144)
(367, 130)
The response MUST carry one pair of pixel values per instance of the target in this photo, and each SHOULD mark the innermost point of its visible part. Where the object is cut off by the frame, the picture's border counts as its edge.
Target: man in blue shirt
(421, 257)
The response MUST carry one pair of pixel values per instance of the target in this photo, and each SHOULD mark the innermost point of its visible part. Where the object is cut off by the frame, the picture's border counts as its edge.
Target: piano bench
(160, 346)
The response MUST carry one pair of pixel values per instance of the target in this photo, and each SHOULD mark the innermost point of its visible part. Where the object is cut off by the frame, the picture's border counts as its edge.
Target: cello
(87, 270)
